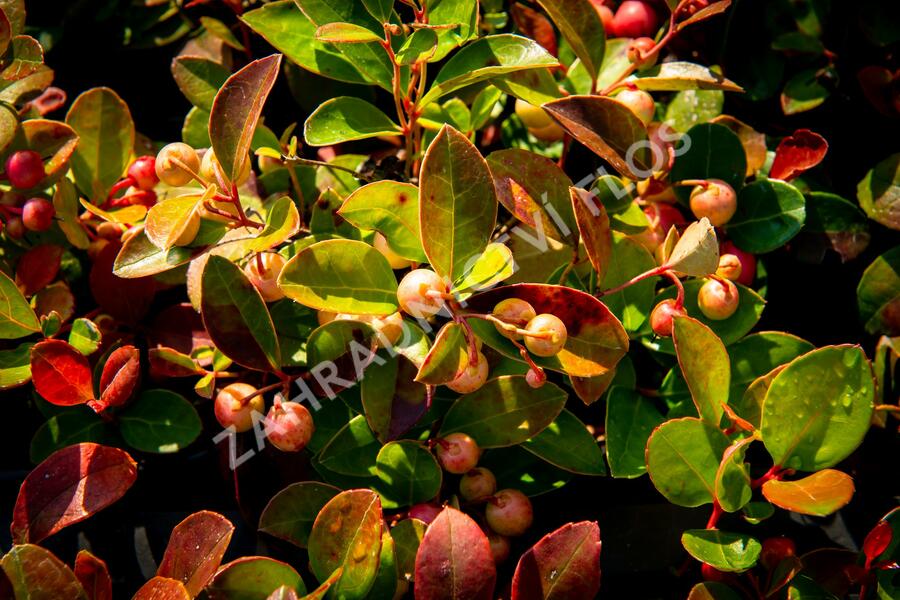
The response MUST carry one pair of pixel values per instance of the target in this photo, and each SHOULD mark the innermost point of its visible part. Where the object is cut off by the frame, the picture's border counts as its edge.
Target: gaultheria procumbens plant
(511, 247)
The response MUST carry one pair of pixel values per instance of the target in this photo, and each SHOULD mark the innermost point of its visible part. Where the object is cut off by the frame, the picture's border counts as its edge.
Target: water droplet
(360, 551)
(851, 358)
(847, 400)
(553, 574)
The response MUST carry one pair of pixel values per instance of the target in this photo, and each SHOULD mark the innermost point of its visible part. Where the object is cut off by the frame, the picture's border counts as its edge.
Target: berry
(661, 217)
(662, 144)
(25, 169)
(515, 312)
(538, 122)
(639, 52)
(606, 15)
(551, 133)
(232, 410)
(718, 300)
(499, 546)
(37, 214)
(412, 293)
(425, 512)
(143, 172)
(774, 550)
(11, 198)
(265, 277)
(390, 327)
(472, 377)
(509, 513)
(716, 201)
(748, 262)
(635, 19)
(223, 206)
(211, 170)
(395, 260)
(15, 228)
(477, 484)
(550, 325)
(457, 453)
(729, 267)
(662, 316)
(110, 231)
(171, 173)
(640, 103)
(711, 573)
(535, 378)
(289, 426)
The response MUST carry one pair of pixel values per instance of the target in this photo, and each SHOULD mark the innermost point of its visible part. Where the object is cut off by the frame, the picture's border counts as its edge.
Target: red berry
(639, 52)
(535, 379)
(37, 214)
(425, 512)
(662, 316)
(457, 453)
(25, 169)
(143, 171)
(509, 513)
(776, 549)
(606, 15)
(15, 228)
(499, 546)
(232, 409)
(635, 19)
(289, 426)
(477, 484)
(748, 262)
(718, 300)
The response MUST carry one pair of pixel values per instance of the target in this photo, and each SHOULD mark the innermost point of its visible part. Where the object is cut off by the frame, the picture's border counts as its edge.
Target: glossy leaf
(454, 560)
(608, 128)
(408, 474)
(769, 214)
(65, 202)
(253, 577)
(803, 92)
(818, 408)
(174, 222)
(461, 21)
(392, 209)
(352, 451)
(236, 316)
(35, 572)
(566, 443)
(195, 550)
(728, 552)
(418, 47)
(290, 513)
(68, 487)
(139, 257)
(712, 590)
(93, 575)
(630, 419)
(879, 192)
(392, 400)
(704, 363)
(504, 412)
(345, 33)
(61, 374)
(15, 366)
(799, 152)
(563, 564)
(819, 494)
(457, 206)
(407, 535)
(733, 489)
(487, 270)
(162, 588)
(878, 294)
(515, 467)
(593, 225)
(447, 358)
(17, 319)
(347, 533)
(715, 152)
(580, 24)
(683, 456)
(160, 421)
(199, 79)
(345, 119)
(678, 75)
(236, 110)
(633, 304)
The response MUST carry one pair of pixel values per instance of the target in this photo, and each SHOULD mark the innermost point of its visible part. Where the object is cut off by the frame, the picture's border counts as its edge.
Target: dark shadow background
(641, 548)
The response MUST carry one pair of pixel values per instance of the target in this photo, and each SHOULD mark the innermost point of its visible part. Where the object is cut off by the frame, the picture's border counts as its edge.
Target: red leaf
(454, 560)
(68, 487)
(798, 153)
(563, 564)
(61, 374)
(125, 299)
(878, 540)
(195, 550)
(536, 26)
(162, 588)
(93, 575)
(37, 268)
(593, 225)
(119, 379)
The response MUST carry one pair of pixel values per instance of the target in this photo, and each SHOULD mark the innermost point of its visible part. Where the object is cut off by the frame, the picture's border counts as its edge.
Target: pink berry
(15, 228)
(513, 311)
(635, 19)
(718, 300)
(729, 267)
(662, 316)
(232, 409)
(472, 377)
(550, 335)
(419, 293)
(37, 214)
(477, 484)
(289, 426)
(25, 169)
(716, 201)
(640, 103)
(509, 513)
(143, 171)
(499, 546)
(748, 262)
(457, 453)
(263, 273)
(639, 52)
(535, 378)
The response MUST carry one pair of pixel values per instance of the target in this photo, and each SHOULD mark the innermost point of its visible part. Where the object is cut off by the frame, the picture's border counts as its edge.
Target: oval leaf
(704, 363)
(17, 319)
(61, 374)
(392, 209)
(563, 564)
(769, 214)
(35, 572)
(290, 514)
(195, 550)
(160, 421)
(408, 474)
(728, 552)
(819, 495)
(345, 119)
(253, 577)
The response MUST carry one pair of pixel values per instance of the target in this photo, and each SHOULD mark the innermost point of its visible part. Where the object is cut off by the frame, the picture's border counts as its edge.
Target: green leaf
(630, 419)
(65, 202)
(407, 535)
(566, 443)
(803, 92)
(580, 24)
(879, 192)
(345, 33)
(65, 429)
(386, 578)
(633, 304)
(345, 119)
(160, 421)
(878, 293)
(839, 221)
(504, 412)
(17, 319)
(493, 266)
(380, 9)
(408, 474)
(534, 86)
(515, 467)
(236, 316)
(392, 209)
(463, 18)
(485, 58)
(693, 107)
(457, 205)
(139, 257)
(199, 79)
(352, 451)
(711, 590)
(106, 138)
(290, 513)
(418, 48)
(236, 110)
(282, 223)
(683, 456)
(709, 151)
(347, 534)
(392, 400)
(819, 494)
(284, 26)
(769, 214)
(609, 129)
(15, 366)
(341, 276)
(818, 408)
(733, 489)
(704, 362)
(728, 552)
(447, 358)
(678, 75)
(253, 577)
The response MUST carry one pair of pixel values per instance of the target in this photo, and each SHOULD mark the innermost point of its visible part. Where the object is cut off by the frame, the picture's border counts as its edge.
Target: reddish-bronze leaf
(69, 486)
(94, 576)
(32, 572)
(37, 268)
(61, 374)
(593, 224)
(536, 26)
(878, 540)
(454, 560)
(119, 379)
(162, 588)
(55, 297)
(125, 299)
(195, 550)
(798, 153)
(563, 564)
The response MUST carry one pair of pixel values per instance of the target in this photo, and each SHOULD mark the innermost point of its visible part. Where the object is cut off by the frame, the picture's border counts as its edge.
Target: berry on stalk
(457, 453)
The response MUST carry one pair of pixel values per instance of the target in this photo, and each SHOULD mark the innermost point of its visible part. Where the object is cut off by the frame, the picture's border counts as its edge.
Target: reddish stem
(717, 513)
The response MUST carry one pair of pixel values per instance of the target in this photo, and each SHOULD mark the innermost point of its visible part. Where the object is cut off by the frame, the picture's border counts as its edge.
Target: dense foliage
(513, 246)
